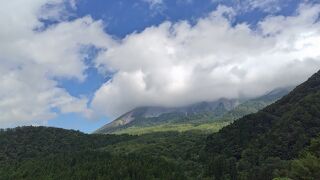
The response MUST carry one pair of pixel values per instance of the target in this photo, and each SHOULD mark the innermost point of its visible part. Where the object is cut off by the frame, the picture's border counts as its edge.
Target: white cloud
(31, 60)
(171, 64)
(154, 2)
(176, 64)
(156, 5)
(268, 6)
(73, 4)
(265, 5)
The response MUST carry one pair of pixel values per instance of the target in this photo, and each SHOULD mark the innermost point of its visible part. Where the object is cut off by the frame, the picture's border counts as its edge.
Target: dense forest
(50, 153)
(261, 145)
(282, 141)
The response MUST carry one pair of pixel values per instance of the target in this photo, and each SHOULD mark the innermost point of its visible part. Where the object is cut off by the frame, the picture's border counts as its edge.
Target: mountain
(200, 116)
(262, 145)
(279, 142)
(255, 104)
(152, 116)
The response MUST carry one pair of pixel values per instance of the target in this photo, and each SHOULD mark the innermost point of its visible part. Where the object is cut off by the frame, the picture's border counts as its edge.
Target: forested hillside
(50, 153)
(263, 143)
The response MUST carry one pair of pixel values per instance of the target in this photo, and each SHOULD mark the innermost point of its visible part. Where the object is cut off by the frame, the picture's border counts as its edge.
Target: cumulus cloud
(32, 59)
(175, 64)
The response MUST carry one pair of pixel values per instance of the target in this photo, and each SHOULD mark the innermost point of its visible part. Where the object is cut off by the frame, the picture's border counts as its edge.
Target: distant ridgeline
(204, 116)
(279, 142)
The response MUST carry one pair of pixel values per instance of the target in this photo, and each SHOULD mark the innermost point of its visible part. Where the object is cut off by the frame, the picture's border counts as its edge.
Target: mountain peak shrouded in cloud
(173, 63)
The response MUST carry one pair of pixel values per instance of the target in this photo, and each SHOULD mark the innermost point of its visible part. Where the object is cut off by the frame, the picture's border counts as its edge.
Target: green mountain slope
(307, 165)
(146, 117)
(256, 104)
(206, 116)
(260, 142)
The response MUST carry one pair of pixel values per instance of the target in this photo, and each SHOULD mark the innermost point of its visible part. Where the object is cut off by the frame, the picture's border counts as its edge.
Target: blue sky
(123, 17)
(97, 63)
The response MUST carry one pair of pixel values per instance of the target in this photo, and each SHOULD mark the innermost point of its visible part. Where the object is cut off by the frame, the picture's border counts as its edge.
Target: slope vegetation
(206, 116)
(261, 143)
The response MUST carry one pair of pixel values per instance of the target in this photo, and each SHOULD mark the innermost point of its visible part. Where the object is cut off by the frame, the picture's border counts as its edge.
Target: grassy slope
(206, 122)
(206, 128)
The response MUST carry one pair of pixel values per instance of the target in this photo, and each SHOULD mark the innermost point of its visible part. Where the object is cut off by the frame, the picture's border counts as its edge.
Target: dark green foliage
(28, 142)
(263, 142)
(50, 153)
(181, 148)
(222, 167)
(307, 166)
(93, 165)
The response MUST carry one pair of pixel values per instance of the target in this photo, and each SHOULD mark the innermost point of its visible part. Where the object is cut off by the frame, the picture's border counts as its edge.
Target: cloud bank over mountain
(173, 64)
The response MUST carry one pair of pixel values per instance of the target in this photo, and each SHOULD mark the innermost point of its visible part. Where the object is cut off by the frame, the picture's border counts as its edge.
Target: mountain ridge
(275, 134)
(222, 110)
(154, 112)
